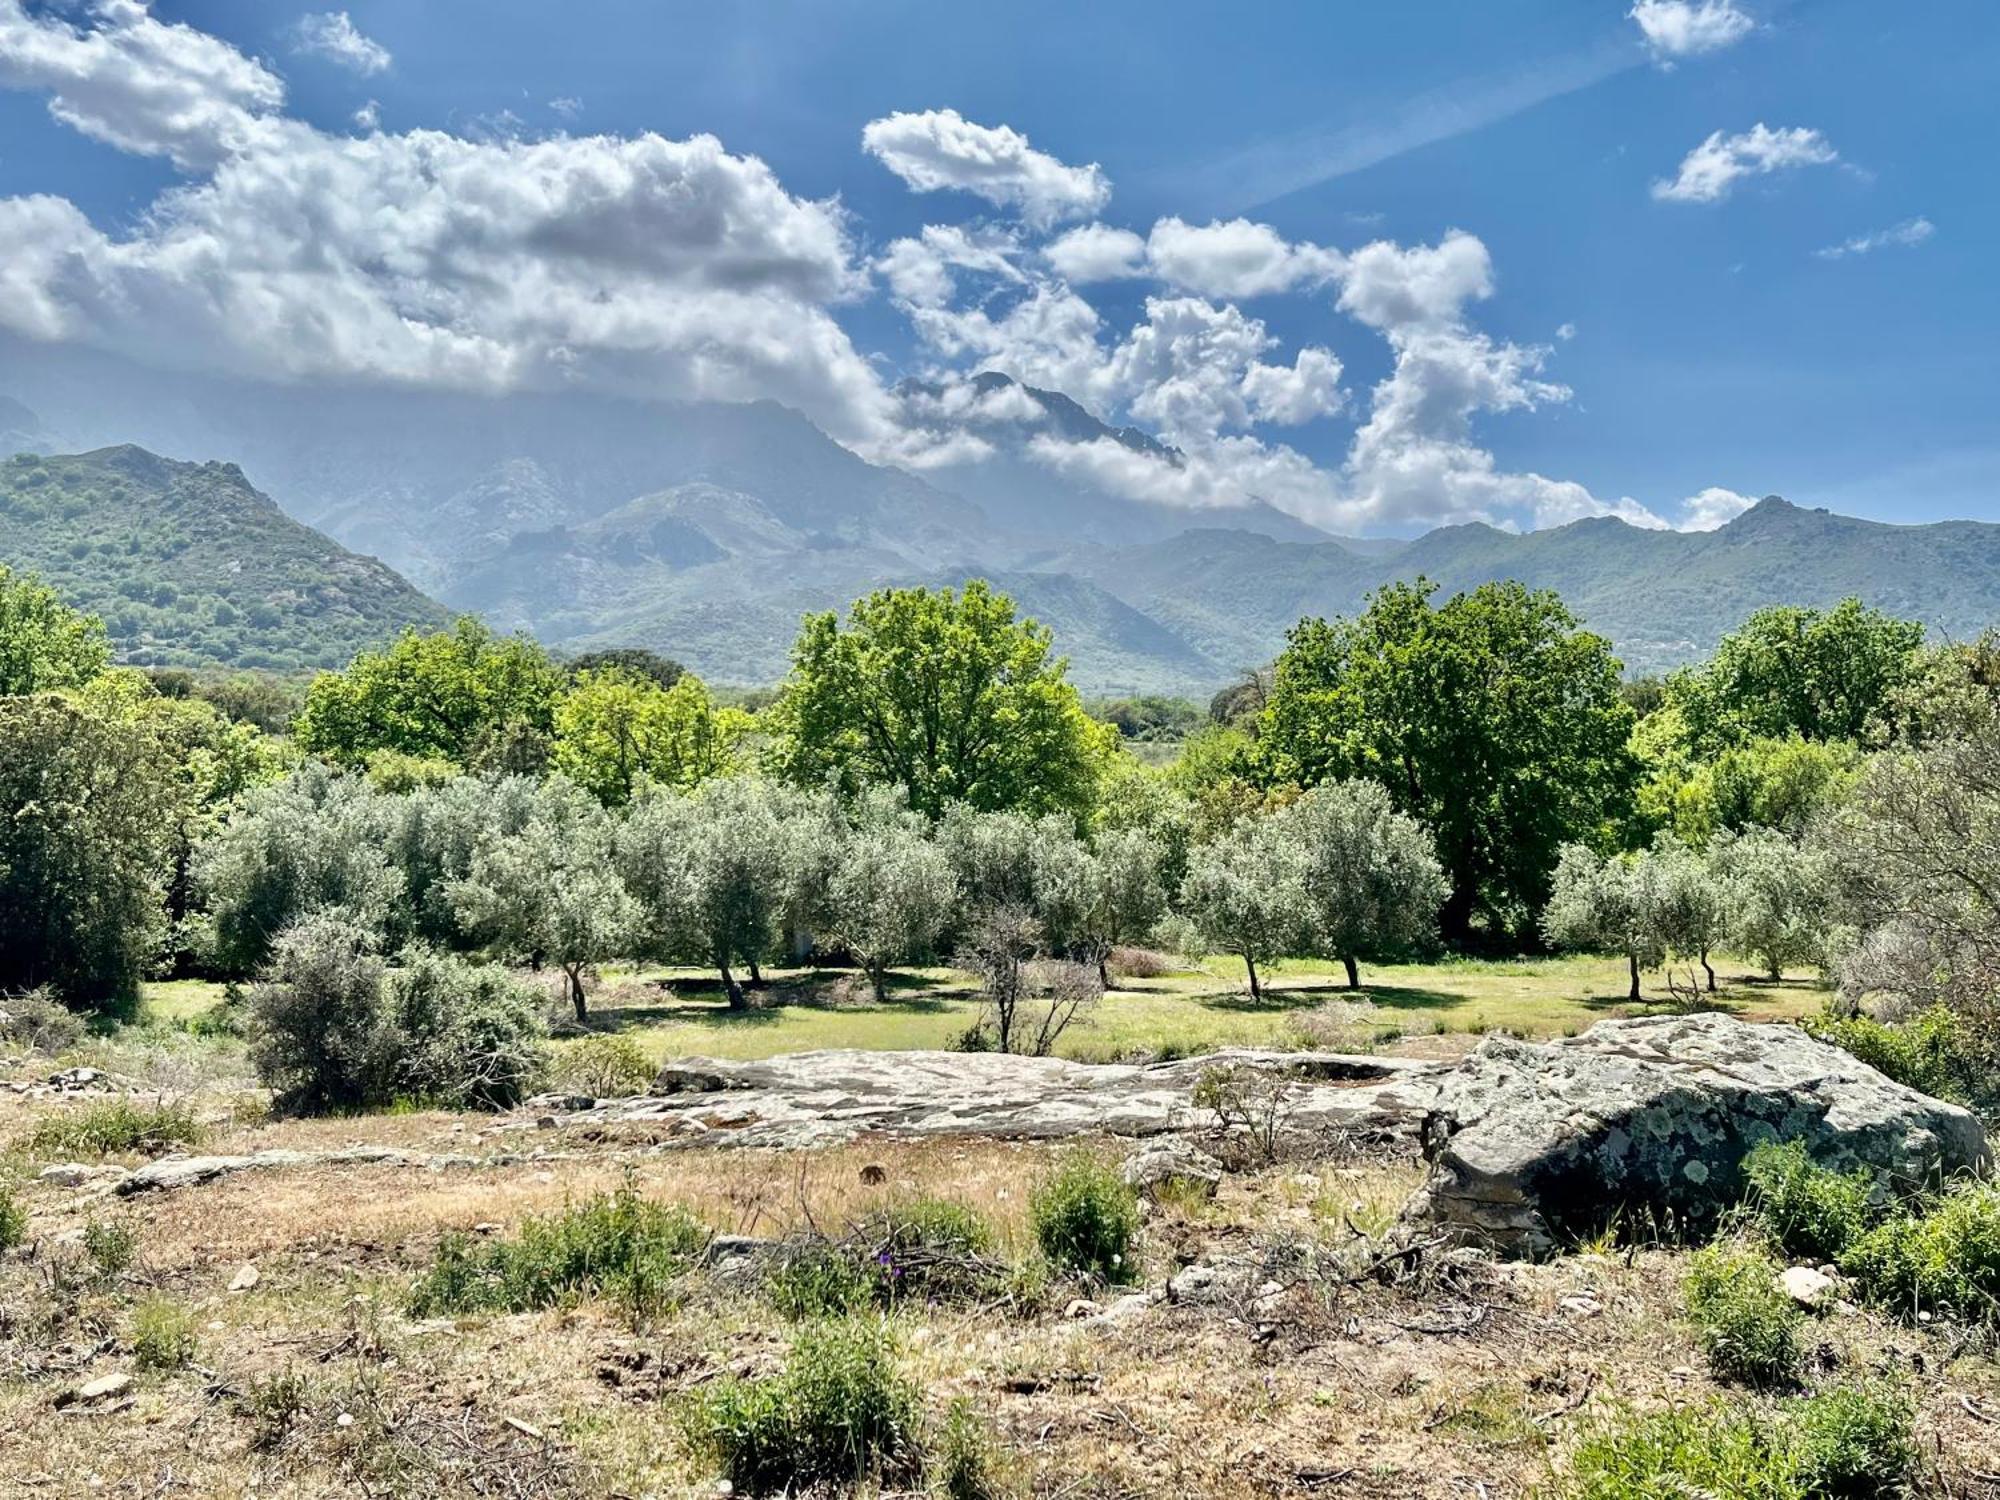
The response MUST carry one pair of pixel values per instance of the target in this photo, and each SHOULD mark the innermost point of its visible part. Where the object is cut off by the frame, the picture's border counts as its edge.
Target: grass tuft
(1748, 1327)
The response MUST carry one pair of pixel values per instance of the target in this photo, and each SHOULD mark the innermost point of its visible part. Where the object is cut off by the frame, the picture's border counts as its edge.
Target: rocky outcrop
(820, 1098)
(1535, 1145)
(171, 1172)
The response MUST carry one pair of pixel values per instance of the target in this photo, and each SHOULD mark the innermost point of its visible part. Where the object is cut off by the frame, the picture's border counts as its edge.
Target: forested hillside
(188, 565)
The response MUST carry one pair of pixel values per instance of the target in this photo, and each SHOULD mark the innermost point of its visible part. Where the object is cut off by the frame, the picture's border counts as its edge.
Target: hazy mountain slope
(189, 565)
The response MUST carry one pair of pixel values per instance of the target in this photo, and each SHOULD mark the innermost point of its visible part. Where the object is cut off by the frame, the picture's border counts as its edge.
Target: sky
(1385, 266)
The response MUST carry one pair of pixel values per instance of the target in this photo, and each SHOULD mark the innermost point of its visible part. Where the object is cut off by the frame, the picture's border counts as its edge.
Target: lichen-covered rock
(1173, 1164)
(1533, 1145)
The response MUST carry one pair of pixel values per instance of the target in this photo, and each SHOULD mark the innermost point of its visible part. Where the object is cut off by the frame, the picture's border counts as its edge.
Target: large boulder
(1534, 1145)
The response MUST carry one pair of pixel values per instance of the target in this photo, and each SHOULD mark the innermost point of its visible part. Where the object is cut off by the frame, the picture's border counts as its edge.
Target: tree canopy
(1493, 719)
(616, 728)
(45, 644)
(944, 693)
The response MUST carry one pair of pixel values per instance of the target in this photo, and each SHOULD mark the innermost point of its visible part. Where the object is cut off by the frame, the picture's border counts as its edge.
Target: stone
(103, 1386)
(73, 1174)
(1173, 1164)
(1537, 1145)
(1121, 1310)
(245, 1278)
(1580, 1305)
(1811, 1289)
(1082, 1307)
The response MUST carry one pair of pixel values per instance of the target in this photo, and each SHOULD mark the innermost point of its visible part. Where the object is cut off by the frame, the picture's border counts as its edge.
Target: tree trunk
(1455, 918)
(1103, 973)
(1633, 959)
(756, 975)
(1256, 990)
(1711, 970)
(878, 976)
(574, 973)
(1353, 971)
(730, 988)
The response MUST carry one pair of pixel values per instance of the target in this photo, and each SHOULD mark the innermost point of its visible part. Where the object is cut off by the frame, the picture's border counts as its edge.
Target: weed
(968, 1464)
(116, 1126)
(1748, 1327)
(273, 1405)
(818, 1279)
(13, 1219)
(617, 1245)
(1853, 1442)
(1931, 1052)
(162, 1335)
(603, 1067)
(1085, 1217)
(1690, 1451)
(1946, 1260)
(111, 1244)
(1805, 1210)
(1246, 1100)
(840, 1411)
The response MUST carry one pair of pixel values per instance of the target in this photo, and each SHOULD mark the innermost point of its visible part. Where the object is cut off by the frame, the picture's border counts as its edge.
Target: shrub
(817, 1279)
(162, 1335)
(839, 1411)
(968, 1464)
(116, 1125)
(1138, 963)
(37, 1020)
(618, 1245)
(603, 1067)
(111, 1245)
(931, 1247)
(471, 1035)
(1748, 1327)
(1085, 1217)
(13, 1219)
(1946, 1260)
(1931, 1052)
(1690, 1451)
(273, 1405)
(1807, 1210)
(1854, 1442)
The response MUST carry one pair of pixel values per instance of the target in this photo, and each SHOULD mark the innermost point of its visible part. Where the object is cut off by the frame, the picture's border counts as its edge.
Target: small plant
(604, 1067)
(617, 1245)
(111, 1244)
(162, 1335)
(968, 1463)
(1931, 1052)
(116, 1126)
(1086, 1218)
(1805, 1210)
(37, 1020)
(840, 1411)
(1689, 1451)
(1247, 1100)
(1853, 1442)
(931, 1247)
(817, 1279)
(1946, 1260)
(13, 1219)
(1748, 1327)
(273, 1404)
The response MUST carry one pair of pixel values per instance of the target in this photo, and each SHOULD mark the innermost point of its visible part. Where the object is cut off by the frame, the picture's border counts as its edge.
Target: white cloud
(668, 268)
(1712, 508)
(919, 271)
(1566, 331)
(941, 149)
(333, 36)
(1712, 169)
(567, 106)
(1907, 235)
(369, 117)
(1096, 252)
(1193, 369)
(1678, 28)
(1235, 259)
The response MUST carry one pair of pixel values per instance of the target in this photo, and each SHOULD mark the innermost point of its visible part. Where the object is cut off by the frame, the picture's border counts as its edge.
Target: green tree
(1603, 902)
(1373, 885)
(1788, 670)
(89, 801)
(945, 694)
(1780, 897)
(44, 644)
(891, 897)
(615, 728)
(440, 695)
(1688, 901)
(1246, 894)
(550, 893)
(1492, 719)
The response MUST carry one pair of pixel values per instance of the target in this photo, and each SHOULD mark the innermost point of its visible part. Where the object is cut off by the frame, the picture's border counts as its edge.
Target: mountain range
(704, 531)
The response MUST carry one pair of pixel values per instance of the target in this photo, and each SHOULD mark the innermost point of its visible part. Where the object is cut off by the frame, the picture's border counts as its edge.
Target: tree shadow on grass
(1414, 997)
(707, 1007)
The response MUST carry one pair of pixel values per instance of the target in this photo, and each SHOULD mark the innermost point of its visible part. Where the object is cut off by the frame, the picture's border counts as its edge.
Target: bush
(117, 1125)
(1139, 963)
(968, 1462)
(1854, 1443)
(13, 1219)
(1807, 1211)
(1085, 1218)
(840, 1411)
(931, 1248)
(1946, 1260)
(1931, 1052)
(617, 1245)
(1748, 1327)
(37, 1020)
(817, 1279)
(604, 1067)
(111, 1245)
(162, 1335)
(335, 1029)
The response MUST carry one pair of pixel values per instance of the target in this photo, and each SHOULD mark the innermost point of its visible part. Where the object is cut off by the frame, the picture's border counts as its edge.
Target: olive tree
(1687, 901)
(891, 896)
(1373, 884)
(1245, 893)
(1780, 897)
(1600, 902)
(550, 892)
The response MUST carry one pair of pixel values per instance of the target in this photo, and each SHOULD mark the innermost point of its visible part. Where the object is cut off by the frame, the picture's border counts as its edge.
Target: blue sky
(1594, 339)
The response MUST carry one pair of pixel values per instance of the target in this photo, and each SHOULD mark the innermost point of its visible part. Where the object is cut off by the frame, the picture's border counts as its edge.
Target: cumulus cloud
(333, 36)
(641, 264)
(1711, 508)
(1907, 235)
(1235, 259)
(1679, 28)
(1096, 252)
(1709, 172)
(940, 149)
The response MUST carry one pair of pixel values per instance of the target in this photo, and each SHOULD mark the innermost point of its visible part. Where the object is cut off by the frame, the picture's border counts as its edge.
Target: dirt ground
(309, 1378)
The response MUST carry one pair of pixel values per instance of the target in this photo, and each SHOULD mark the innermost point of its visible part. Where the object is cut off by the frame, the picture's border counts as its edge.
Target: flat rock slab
(171, 1172)
(1648, 1120)
(823, 1098)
